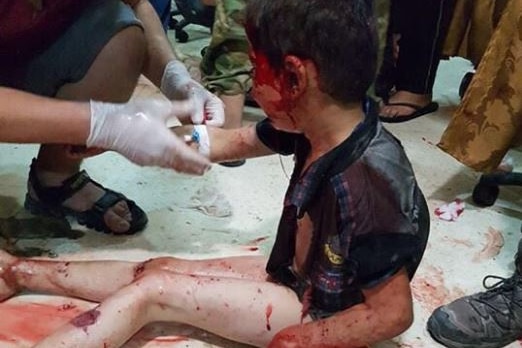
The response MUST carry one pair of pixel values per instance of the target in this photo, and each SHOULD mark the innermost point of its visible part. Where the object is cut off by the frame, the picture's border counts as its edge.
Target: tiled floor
(482, 241)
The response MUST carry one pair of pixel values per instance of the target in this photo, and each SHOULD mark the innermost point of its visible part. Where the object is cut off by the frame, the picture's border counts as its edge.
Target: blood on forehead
(269, 85)
(264, 73)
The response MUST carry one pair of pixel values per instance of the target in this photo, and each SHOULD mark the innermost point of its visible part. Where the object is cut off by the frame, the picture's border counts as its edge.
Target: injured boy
(354, 224)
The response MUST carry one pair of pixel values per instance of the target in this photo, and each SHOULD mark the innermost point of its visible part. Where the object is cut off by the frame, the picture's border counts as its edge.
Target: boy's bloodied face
(270, 90)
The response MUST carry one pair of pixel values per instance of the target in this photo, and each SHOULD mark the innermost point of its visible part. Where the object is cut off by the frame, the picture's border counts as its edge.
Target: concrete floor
(481, 242)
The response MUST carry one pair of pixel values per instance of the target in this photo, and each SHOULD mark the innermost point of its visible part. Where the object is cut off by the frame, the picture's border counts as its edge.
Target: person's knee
(138, 35)
(113, 75)
(132, 47)
(160, 264)
(152, 285)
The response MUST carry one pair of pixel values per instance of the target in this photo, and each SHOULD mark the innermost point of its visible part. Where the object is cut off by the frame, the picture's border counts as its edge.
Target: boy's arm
(386, 312)
(227, 144)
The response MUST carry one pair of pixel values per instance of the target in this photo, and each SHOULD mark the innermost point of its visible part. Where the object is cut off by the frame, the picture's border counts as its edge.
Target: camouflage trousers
(225, 66)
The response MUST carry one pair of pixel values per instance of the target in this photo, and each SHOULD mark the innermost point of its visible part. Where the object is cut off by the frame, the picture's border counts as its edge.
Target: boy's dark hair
(339, 36)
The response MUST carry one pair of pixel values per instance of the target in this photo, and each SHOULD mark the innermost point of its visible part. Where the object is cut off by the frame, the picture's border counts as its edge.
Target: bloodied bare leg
(96, 280)
(242, 310)
(134, 294)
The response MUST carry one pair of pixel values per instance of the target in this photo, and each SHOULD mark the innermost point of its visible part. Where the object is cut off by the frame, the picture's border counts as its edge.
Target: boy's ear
(295, 76)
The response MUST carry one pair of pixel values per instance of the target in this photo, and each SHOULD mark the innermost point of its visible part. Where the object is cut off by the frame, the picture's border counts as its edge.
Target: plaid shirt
(369, 217)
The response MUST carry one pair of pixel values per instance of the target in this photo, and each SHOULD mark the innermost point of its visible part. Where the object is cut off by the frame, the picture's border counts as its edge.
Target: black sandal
(50, 199)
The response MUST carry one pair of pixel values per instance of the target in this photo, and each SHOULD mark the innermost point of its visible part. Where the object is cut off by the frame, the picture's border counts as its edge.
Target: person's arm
(27, 118)
(233, 144)
(386, 312)
(159, 50)
(136, 129)
(164, 69)
(224, 144)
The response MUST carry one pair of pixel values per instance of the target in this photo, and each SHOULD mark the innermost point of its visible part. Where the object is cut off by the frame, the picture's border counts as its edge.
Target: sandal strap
(108, 200)
(53, 197)
(94, 217)
(56, 195)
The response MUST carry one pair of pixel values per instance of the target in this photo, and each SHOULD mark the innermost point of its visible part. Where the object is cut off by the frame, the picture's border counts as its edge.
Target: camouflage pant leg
(226, 67)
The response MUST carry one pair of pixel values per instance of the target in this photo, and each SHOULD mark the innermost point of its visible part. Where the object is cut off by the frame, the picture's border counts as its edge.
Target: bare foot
(7, 281)
(391, 111)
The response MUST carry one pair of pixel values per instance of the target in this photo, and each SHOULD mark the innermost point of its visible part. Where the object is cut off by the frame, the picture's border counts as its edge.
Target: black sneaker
(490, 319)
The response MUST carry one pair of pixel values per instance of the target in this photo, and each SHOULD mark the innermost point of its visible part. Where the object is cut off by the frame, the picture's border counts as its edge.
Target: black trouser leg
(423, 26)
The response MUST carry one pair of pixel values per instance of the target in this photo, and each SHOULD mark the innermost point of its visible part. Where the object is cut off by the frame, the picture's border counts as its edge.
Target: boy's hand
(177, 84)
(138, 131)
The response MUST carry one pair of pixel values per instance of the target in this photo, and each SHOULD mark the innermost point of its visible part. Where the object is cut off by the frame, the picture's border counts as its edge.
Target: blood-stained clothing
(369, 218)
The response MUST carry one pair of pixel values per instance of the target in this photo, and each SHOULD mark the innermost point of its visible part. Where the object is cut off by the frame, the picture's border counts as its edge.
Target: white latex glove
(177, 84)
(138, 131)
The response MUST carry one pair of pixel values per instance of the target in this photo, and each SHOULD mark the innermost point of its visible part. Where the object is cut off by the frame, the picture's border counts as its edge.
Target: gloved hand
(138, 131)
(177, 84)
